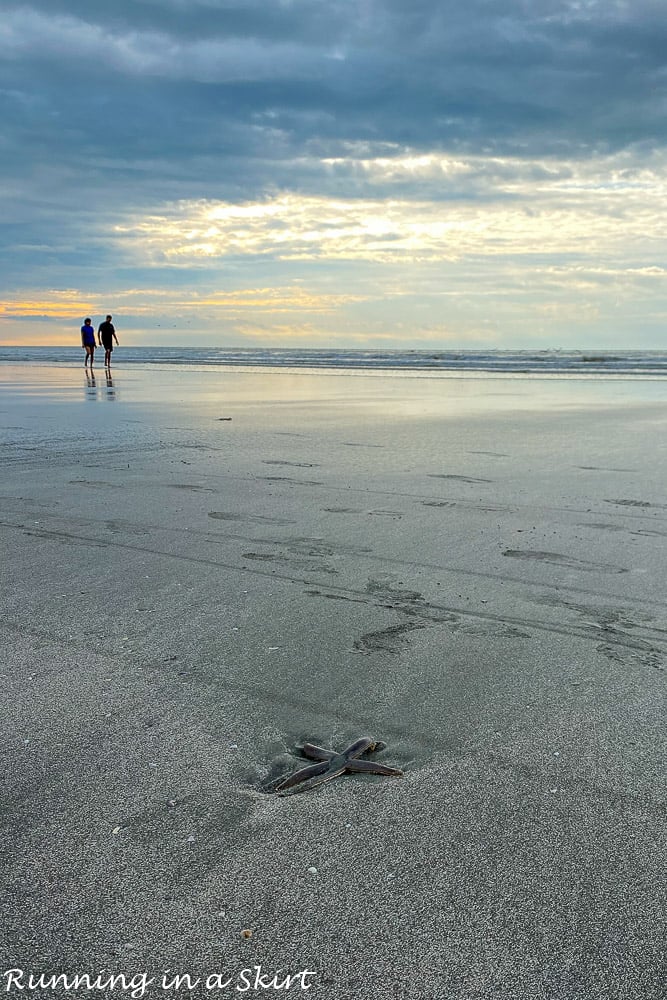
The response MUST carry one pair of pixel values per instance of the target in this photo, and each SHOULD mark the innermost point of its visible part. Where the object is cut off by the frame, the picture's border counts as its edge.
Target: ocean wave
(651, 364)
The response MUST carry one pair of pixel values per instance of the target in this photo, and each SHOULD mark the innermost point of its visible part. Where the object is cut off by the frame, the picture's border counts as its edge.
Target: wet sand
(207, 568)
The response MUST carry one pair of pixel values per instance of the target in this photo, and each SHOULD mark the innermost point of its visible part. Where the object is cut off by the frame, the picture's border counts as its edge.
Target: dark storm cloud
(474, 74)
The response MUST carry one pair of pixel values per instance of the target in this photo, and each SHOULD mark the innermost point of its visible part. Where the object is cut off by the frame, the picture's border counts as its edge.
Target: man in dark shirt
(106, 335)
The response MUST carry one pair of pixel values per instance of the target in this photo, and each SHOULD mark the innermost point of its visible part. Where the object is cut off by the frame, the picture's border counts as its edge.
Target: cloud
(210, 147)
(512, 209)
(146, 303)
(550, 74)
(154, 53)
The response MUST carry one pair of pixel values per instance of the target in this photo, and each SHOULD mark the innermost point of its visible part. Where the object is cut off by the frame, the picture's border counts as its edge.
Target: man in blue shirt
(88, 342)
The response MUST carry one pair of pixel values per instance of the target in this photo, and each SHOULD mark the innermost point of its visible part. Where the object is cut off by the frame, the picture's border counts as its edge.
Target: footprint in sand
(359, 444)
(637, 503)
(342, 510)
(96, 484)
(460, 479)
(294, 465)
(602, 468)
(467, 505)
(390, 640)
(633, 658)
(287, 479)
(301, 565)
(222, 515)
(192, 487)
(568, 562)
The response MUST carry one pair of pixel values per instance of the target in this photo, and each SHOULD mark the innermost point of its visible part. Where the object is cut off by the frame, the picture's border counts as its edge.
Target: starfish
(331, 764)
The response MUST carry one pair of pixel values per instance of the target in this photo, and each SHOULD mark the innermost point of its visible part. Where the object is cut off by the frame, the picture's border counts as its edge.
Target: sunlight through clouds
(509, 209)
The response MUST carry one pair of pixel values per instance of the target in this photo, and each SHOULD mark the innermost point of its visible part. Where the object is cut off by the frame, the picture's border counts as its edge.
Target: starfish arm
(358, 747)
(317, 753)
(303, 775)
(373, 767)
(318, 779)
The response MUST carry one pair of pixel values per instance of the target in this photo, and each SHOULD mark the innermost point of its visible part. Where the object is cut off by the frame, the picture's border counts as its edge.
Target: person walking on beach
(88, 341)
(106, 335)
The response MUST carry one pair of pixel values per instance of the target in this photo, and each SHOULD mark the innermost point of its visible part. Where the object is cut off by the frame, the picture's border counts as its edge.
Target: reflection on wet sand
(91, 386)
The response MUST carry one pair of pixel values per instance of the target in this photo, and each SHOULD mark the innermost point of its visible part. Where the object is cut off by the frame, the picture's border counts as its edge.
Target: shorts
(107, 345)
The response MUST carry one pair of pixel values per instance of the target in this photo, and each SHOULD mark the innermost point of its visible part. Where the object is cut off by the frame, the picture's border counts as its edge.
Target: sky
(335, 173)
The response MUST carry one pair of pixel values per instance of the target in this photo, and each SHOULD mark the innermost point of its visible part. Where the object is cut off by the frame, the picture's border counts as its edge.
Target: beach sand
(207, 568)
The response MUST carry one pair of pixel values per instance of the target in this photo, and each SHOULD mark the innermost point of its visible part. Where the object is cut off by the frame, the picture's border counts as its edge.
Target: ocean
(557, 363)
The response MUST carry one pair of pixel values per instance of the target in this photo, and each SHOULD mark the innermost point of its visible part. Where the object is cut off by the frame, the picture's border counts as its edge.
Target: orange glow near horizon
(44, 309)
(57, 340)
(75, 306)
(58, 314)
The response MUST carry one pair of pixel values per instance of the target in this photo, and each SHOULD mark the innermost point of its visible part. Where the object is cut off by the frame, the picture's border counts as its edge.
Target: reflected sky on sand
(99, 387)
(43, 406)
